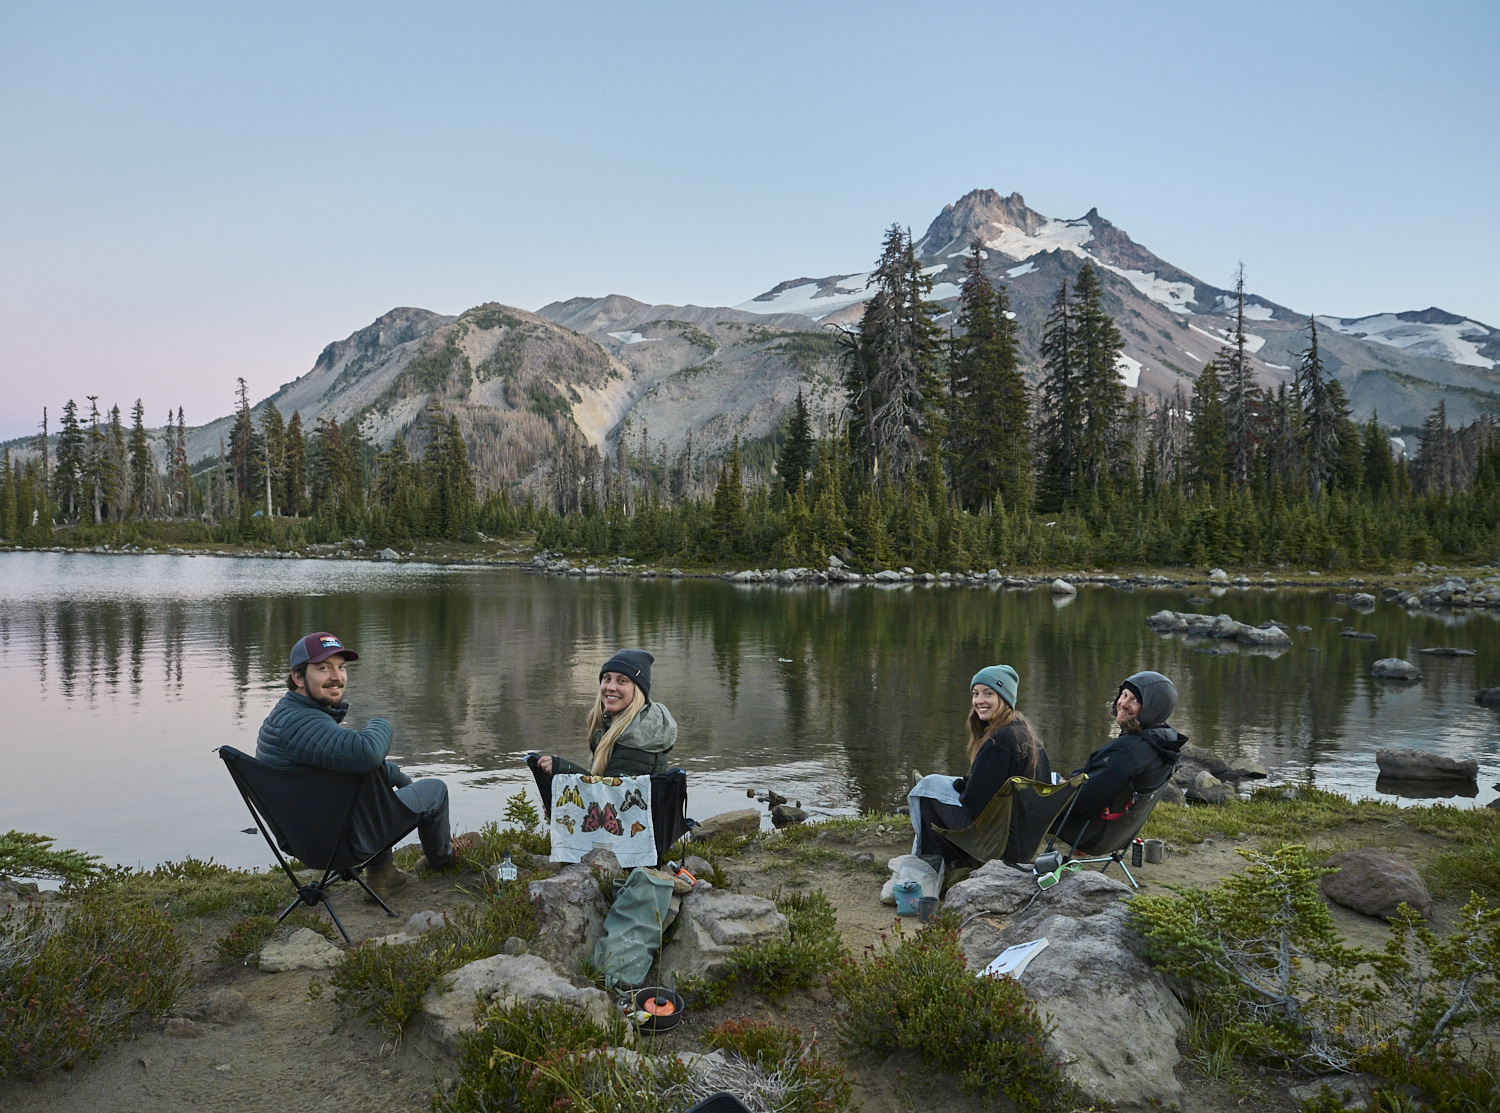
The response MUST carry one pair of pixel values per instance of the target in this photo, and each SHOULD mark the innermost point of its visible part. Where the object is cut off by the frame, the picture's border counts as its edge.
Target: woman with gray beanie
(628, 734)
(1002, 745)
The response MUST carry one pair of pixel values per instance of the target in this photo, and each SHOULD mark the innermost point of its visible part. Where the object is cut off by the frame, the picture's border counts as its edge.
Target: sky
(192, 193)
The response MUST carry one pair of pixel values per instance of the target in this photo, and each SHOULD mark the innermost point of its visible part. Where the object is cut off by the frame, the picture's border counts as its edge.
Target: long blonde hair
(599, 720)
(981, 732)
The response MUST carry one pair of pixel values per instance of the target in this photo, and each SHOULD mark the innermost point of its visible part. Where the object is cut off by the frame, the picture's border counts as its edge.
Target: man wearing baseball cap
(304, 730)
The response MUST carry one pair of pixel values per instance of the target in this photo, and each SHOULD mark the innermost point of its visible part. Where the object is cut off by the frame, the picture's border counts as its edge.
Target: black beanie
(634, 663)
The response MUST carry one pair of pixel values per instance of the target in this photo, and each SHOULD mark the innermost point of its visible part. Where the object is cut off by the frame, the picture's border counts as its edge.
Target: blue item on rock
(907, 894)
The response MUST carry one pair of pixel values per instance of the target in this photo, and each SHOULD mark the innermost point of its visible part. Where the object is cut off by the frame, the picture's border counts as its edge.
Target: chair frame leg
(360, 881)
(1117, 858)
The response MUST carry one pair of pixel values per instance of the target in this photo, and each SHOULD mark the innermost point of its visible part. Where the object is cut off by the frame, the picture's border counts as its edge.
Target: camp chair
(669, 819)
(334, 822)
(1119, 831)
(1039, 804)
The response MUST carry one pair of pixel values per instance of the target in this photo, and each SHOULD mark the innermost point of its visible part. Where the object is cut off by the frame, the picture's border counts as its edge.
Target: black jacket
(1138, 761)
(1002, 757)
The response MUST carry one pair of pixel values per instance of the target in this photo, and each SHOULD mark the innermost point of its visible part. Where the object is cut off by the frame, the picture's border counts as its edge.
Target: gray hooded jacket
(1138, 761)
(640, 750)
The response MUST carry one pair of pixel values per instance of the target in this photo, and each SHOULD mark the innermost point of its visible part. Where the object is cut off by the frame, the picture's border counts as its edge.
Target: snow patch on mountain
(1253, 343)
(1130, 370)
(1055, 235)
(1457, 343)
(1024, 268)
(1253, 310)
(1176, 296)
(630, 338)
(813, 299)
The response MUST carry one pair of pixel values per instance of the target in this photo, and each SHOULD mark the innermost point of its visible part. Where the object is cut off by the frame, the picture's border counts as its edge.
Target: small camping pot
(1156, 851)
(907, 892)
(926, 908)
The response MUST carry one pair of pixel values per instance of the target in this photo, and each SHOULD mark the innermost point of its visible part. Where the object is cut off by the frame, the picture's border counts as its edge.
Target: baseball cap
(319, 647)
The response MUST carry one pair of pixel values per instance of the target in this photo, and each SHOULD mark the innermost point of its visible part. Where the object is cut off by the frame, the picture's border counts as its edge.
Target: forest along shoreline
(825, 996)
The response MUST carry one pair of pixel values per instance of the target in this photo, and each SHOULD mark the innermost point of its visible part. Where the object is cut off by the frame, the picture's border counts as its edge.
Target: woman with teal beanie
(1002, 745)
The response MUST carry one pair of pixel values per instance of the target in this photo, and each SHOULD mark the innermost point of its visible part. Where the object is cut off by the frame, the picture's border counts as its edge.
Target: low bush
(70, 989)
(385, 984)
(916, 994)
(1447, 1081)
(775, 968)
(812, 1084)
(27, 855)
(249, 934)
(194, 887)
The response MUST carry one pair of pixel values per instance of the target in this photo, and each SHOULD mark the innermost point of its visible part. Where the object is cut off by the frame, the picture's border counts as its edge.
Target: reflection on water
(118, 676)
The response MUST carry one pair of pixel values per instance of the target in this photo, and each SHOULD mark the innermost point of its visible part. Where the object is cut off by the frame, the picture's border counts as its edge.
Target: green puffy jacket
(300, 731)
(640, 750)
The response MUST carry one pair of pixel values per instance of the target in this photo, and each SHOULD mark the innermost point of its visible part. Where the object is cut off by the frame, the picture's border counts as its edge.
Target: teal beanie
(1000, 679)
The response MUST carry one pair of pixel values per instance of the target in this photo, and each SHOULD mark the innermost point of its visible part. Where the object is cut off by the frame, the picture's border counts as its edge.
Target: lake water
(120, 674)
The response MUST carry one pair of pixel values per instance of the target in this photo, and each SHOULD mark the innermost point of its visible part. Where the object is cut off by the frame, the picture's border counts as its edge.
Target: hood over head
(1157, 694)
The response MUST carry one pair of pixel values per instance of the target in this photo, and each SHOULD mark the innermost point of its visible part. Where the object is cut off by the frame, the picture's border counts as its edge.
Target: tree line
(942, 457)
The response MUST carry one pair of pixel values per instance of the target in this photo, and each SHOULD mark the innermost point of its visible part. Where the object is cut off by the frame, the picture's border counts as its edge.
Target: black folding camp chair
(1106, 838)
(1038, 804)
(333, 822)
(669, 818)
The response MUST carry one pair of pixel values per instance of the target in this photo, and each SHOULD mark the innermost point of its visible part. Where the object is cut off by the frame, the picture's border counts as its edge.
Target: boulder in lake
(710, 925)
(449, 1006)
(1062, 587)
(1446, 651)
(745, 821)
(1374, 883)
(1218, 576)
(1208, 789)
(1418, 765)
(388, 554)
(1394, 668)
(1092, 980)
(1488, 697)
(785, 815)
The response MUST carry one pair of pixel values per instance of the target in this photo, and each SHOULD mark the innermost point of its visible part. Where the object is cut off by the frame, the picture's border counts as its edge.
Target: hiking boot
(386, 879)
(916, 776)
(462, 846)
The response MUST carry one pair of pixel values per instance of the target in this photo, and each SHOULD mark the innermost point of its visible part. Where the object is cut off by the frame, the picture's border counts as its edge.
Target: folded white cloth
(934, 786)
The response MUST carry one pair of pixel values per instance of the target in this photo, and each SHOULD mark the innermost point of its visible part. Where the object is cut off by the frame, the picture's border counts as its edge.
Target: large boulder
(1208, 789)
(1116, 1019)
(570, 910)
(1418, 765)
(1374, 883)
(1488, 697)
(304, 949)
(710, 925)
(746, 821)
(1062, 587)
(1394, 668)
(448, 1009)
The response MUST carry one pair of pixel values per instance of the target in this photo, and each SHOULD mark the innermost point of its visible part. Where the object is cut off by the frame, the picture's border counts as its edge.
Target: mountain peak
(973, 217)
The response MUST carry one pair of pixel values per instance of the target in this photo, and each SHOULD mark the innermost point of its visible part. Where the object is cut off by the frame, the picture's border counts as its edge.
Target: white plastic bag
(908, 867)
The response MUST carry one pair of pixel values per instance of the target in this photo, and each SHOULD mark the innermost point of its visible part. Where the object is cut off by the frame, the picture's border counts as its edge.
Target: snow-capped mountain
(1431, 332)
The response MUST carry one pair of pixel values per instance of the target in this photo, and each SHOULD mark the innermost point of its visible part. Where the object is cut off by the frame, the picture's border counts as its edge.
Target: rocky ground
(245, 1038)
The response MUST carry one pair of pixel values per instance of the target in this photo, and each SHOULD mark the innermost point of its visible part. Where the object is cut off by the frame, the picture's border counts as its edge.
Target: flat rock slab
(1447, 651)
(1116, 1019)
(1394, 668)
(745, 821)
(305, 949)
(448, 1009)
(1418, 765)
(711, 924)
(1374, 883)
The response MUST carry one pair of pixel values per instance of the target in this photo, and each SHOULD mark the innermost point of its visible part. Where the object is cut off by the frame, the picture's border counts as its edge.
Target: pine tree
(1433, 470)
(243, 446)
(988, 443)
(796, 458)
(1063, 405)
(182, 474)
(1380, 466)
(7, 497)
(1239, 390)
(294, 463)
(142, 463)
(1098, 345)
(1207, 452)
(72, 459)
(271, 463)
(1321, 414)
(729, 504)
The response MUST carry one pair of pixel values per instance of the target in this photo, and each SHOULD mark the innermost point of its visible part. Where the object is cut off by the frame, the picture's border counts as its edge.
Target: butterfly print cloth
(609, 812)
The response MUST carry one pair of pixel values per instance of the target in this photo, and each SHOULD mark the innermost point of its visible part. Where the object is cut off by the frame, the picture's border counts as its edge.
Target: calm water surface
(120, 674)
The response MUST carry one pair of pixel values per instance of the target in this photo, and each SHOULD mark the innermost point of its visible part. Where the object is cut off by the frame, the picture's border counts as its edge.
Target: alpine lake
(120, 674)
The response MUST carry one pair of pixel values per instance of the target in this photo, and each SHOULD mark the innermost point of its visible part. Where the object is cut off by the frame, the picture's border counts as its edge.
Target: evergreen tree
(1207, 451)
(1322, 417)
(797, 454)
(95, 462)
(117, 467)
(72, 459)
(1380, 466)
(729, 504)
(1063, 404)
(1433, 470)
(243, 446)
(891, 369)
(8, 483)
(294, 464)
(988, 444)
(272, 459)
(142, 463)
(1239, 391)
(1098, 344)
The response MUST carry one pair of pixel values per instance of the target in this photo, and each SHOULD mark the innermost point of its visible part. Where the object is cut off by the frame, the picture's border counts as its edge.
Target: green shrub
(27, 855)
(776, 967)
(814, 1085)
(70, 990)
(385, 984)
(249, 934)
(917, 995)
(1447, 1081)
(194, 887)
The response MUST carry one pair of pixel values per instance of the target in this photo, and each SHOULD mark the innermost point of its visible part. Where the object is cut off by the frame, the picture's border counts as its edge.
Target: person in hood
(1138, 761)
(1002, 745)
(629, 735)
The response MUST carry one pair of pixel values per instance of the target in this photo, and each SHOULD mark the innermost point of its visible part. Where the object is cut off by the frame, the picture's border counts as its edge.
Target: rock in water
(1116, 1019)
(1394, 668)
(304, 950)
(1374, 883)
(784, 815)
(1417, 765)
(1488, 697)
(388, 554)
(1062, 587)
(710, 925)
(1447, 651)
(1208, 789)
(746, 821)
(449, 1006)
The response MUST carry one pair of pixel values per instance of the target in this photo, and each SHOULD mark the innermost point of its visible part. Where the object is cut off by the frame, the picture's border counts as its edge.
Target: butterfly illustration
(566, 821)
(611, 822)
(633, 799)
(594, 818)
(636, 829)
(570, 796)
(613, 782)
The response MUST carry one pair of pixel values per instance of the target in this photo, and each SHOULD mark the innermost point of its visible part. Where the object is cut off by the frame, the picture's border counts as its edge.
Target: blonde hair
(981, 732)
(598, 718)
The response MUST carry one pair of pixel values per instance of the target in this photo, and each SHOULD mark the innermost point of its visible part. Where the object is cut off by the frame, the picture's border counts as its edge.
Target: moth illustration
(570, 795)
(613, 782)
(636, 829)
(594, 818)
(633, 799)
(566, 821)
(611, 822)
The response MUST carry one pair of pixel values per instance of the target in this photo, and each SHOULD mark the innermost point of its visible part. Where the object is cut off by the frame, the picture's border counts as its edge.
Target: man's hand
(544, 763)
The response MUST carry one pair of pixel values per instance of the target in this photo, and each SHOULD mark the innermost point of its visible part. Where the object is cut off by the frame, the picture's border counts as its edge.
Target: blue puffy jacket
(301, 731)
